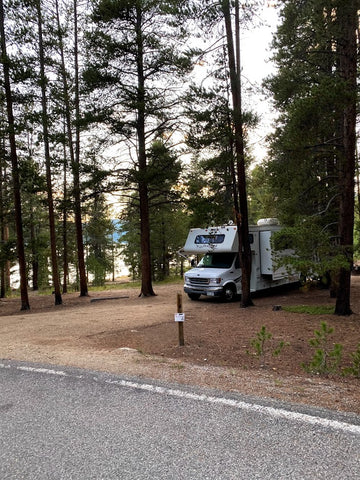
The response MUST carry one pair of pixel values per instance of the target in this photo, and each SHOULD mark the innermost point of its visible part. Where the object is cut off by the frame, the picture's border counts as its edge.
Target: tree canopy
(144, 100)
(312, 157)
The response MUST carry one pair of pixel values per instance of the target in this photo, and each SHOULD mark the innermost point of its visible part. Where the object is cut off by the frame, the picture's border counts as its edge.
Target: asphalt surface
(60, 423)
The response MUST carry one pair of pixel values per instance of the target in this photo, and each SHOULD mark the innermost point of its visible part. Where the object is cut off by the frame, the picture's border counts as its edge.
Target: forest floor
(116, 331)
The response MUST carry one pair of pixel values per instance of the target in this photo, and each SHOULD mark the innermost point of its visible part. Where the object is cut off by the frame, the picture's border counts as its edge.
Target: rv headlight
(214, 281)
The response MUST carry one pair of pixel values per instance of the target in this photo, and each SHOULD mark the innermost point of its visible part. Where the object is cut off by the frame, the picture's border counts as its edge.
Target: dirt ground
(116, 331)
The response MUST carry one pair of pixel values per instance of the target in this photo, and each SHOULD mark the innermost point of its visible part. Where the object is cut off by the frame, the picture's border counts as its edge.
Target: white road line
(49, 371)
(241, 405)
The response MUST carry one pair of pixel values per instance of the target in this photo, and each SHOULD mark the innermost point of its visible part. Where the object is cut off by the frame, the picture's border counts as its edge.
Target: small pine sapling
(354, 370)
(280, 348)
(326, 359)
(261, 345)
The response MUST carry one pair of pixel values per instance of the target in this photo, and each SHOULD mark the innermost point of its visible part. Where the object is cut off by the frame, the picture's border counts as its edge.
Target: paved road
(59, 424)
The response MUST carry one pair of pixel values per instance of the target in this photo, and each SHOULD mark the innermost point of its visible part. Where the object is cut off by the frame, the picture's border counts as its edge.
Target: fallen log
(100, 299)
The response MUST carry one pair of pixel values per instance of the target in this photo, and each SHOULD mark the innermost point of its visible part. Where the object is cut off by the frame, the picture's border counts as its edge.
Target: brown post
(180, 324)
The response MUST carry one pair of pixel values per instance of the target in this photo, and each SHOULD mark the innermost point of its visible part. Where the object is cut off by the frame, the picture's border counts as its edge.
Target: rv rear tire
(194, 296)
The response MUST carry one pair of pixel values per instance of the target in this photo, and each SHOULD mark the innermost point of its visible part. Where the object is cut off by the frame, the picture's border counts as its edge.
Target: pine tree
(99, 240)
(25, 305)
(240, 198)
(167, 232)
(348, 25)
(71, 110)
(5, 202)
(46, 139)
(312, 168)
(134, 54)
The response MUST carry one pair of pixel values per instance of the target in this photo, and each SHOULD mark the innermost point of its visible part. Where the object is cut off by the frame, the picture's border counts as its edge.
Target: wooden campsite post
(180, 319)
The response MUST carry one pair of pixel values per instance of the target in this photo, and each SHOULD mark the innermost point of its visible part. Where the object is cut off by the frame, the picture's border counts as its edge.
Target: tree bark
(35, 255)
(241, 215)
(5, 284)
(2, 223)
(76, 168)
(74, 152)
(347, 18)
(54, 261)
(64, 232)
(25, 305)
(5, 271)
(146, 280)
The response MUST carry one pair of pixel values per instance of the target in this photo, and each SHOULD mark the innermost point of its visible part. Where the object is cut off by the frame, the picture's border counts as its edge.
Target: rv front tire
(229, 293)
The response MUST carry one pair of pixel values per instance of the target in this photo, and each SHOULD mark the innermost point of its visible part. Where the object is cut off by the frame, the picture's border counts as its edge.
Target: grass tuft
(310, 309)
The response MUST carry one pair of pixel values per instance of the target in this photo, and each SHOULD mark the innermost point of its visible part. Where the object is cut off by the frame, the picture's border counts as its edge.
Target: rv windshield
(217, 260)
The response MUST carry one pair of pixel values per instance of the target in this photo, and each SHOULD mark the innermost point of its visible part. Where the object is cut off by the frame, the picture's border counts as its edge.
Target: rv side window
(209, 239)
(237, 262)
(251, 238)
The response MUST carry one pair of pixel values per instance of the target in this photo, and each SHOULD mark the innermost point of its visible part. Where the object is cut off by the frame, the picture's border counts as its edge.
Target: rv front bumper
(209, 291)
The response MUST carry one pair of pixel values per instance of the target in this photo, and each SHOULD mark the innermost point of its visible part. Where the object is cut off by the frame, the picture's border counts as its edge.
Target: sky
(256, 65)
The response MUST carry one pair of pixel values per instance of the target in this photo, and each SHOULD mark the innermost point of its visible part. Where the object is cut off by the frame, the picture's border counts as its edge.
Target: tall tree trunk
(35, 255)
(3, 225)
(5, 268)
(241, 215)
(76, 166)
(54, 260)
(25, 305)
(347, 18)
(146, 280)
(65, 226)
(74, 152)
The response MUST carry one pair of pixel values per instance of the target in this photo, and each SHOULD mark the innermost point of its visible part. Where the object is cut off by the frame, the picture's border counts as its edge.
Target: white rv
(218, 274)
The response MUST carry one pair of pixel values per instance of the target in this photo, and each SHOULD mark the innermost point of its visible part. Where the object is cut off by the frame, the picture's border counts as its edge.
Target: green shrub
(326, 358)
